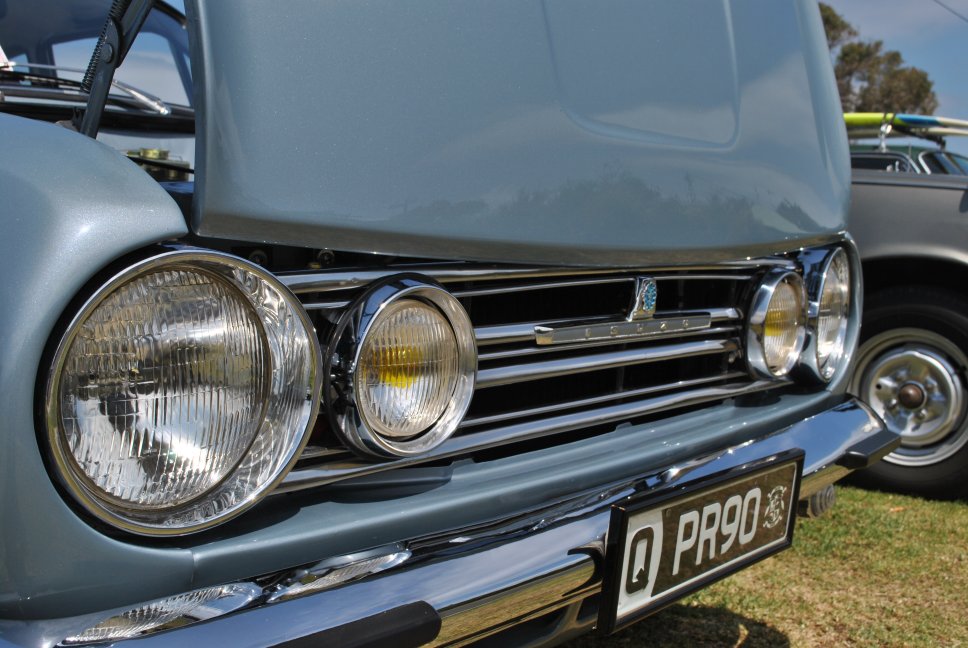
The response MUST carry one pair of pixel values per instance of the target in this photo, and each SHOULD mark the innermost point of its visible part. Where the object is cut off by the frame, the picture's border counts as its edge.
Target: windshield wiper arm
(124, 20)
(146, 99)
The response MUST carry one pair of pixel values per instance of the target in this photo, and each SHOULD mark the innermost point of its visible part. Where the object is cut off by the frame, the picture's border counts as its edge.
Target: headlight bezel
(817, 263)
(756, 325)
(818, 268)
(183, 519)
(343, 358)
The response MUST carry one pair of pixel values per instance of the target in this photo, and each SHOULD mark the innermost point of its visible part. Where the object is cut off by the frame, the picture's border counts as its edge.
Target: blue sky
(928, 36)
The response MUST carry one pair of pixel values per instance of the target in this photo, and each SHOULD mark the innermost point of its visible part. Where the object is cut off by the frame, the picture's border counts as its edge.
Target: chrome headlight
(776, 329)
(181, 392)
(829, 322)
(402, 368)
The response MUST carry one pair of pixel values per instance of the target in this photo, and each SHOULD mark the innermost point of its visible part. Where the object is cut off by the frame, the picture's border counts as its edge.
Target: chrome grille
(531, 390)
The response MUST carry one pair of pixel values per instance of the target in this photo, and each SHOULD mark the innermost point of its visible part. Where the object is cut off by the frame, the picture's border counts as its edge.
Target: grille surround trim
(511, 358)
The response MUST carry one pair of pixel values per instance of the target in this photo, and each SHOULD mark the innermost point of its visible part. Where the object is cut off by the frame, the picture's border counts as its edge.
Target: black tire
(912, 368)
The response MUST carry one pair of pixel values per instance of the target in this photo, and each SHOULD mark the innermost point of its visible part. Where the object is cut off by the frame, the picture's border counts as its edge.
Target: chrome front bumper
(475, 582)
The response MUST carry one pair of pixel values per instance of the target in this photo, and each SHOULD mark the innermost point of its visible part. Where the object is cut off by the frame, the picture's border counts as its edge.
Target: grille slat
(312, 476)
(531, 371)
(538, 350)
(532, 388)
(587, 402)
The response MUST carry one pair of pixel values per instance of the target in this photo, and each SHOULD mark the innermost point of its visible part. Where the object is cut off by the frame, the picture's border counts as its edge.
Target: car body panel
(891, 216)
(69, 203)
(409, 129)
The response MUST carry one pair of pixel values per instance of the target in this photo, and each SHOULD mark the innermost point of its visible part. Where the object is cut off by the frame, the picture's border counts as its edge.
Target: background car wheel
(911, 368)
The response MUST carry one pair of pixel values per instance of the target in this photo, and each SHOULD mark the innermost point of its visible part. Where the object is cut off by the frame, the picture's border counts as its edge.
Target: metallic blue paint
(545, 132)
(69, 207)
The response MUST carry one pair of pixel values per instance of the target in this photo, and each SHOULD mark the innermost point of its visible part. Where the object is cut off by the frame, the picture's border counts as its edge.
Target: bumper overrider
(539, 575)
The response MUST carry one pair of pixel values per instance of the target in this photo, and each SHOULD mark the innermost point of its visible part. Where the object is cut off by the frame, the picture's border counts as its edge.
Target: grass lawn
(878, 570)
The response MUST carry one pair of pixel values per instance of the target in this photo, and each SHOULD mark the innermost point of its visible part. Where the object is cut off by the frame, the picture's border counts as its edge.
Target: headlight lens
(402, 368)
(181, 392)
(777, 325)
(833, 309)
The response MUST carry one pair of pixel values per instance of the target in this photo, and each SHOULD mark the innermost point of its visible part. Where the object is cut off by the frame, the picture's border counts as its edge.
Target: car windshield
(961, 161)
(54, 39)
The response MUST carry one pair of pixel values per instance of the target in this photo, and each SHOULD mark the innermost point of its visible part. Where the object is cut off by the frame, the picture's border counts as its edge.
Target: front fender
(69, 207)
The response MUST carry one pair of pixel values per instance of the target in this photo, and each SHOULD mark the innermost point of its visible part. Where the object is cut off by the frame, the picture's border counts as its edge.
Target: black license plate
(664, 547)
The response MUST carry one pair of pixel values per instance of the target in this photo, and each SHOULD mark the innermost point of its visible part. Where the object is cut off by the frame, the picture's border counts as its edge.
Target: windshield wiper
(146, 99)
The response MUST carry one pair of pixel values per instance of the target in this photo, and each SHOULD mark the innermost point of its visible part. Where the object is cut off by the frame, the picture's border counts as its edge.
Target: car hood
(533, 132)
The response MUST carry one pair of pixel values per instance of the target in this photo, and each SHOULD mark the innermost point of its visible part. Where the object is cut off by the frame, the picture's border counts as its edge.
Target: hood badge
(639, 323)
(646, 294)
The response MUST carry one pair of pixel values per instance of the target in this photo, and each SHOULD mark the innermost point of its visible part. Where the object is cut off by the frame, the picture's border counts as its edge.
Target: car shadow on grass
(690, 625)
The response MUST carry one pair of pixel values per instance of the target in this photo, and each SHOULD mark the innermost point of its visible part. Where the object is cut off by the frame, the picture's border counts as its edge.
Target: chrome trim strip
(610, 360)
(303, 282)
(500, 290)
(510, 333)
(524, 332)
(459, 444)
(586, 402)
(330, 305)
(623, 330)
(315, 452)
(537, 350)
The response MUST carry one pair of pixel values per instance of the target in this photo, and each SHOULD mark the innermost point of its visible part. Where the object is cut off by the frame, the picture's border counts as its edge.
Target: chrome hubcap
(912, 379)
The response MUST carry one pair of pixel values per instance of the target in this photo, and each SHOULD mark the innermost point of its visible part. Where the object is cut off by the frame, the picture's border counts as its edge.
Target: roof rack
(884, 125)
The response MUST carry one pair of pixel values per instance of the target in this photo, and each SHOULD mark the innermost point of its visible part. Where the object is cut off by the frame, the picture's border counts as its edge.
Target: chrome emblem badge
(639, 324)
(643, 305)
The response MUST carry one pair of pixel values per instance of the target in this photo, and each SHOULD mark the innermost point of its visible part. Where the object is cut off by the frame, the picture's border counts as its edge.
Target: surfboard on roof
(868, 124)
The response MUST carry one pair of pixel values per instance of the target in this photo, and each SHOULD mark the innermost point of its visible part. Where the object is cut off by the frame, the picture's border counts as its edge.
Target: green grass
(878, 570)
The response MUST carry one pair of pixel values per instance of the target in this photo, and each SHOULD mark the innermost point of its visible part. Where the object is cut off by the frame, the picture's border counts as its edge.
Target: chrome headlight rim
(818, 273)
(756, 325)
(343, 358)
(181, 519)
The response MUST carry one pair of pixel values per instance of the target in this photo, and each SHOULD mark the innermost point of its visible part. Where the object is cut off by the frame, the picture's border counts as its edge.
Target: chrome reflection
(355, 380)
(328, 574)
(181, 392)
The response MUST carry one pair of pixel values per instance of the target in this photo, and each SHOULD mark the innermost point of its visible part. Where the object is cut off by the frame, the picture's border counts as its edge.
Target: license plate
(666, 546)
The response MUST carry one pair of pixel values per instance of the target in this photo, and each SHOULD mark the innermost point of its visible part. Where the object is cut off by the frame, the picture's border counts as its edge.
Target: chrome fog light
(829, 322)
(776, 330)
(402, 367)
(181, 392)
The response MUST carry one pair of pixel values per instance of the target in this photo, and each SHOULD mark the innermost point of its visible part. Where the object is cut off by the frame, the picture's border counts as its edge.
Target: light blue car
(384, 323)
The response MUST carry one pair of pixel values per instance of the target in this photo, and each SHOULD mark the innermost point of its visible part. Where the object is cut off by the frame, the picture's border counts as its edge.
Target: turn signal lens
(167, 614)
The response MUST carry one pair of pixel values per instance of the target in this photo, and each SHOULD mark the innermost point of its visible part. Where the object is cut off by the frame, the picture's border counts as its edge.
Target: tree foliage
(870, 78)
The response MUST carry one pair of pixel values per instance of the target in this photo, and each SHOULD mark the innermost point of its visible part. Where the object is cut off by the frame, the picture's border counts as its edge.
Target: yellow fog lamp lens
(401, 369)
(408, 370)
(833, 309)
(776, 329)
